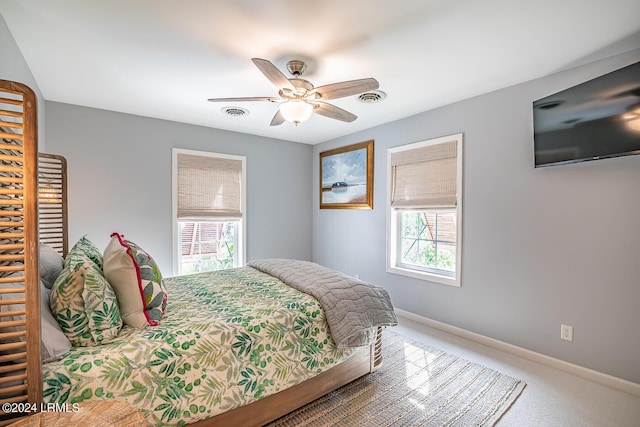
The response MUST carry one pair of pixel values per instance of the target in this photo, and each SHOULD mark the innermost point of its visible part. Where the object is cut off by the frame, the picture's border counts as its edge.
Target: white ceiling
(164, 58)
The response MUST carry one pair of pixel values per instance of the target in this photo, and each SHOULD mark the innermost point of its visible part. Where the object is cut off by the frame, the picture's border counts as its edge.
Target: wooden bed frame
(33, 209)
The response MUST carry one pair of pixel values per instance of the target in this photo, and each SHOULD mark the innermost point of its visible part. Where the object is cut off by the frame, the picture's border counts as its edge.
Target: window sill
(431, 277)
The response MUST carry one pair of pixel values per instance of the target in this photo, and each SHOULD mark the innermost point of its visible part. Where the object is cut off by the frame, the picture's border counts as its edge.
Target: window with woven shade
(424, 209)
(209, 211)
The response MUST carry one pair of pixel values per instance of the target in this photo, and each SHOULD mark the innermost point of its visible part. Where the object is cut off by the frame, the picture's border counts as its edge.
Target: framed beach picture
(346, 177)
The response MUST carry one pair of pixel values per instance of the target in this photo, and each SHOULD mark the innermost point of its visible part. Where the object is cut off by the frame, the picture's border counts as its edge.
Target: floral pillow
(84, 304)
(84, 248)
(137, 281)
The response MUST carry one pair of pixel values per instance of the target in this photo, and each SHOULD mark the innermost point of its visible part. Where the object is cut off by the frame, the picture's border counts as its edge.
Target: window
(209, 211)
(424, 212)
(207, 245)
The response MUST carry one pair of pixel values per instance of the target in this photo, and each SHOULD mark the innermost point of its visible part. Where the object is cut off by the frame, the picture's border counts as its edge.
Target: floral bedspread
(227, 338)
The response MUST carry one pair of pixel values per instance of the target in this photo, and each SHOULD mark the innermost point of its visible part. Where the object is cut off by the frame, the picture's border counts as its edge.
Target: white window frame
(240, 250)
(393, 219)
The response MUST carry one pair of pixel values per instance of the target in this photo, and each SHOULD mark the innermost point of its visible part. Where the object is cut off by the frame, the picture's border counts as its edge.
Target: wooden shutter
(20, 369)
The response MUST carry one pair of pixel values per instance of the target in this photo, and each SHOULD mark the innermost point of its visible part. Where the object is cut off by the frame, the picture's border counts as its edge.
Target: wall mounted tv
(594, 120)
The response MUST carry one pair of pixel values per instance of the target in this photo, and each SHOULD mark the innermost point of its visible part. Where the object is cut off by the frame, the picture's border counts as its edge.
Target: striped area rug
(416, 386)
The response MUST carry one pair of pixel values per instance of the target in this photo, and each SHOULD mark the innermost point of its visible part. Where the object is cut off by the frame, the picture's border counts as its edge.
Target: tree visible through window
(428, 240)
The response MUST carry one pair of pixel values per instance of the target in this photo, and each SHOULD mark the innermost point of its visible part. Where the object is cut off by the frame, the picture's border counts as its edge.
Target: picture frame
(346, 177)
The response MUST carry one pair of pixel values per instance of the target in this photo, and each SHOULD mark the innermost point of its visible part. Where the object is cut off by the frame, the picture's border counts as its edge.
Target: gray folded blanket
(353, 308)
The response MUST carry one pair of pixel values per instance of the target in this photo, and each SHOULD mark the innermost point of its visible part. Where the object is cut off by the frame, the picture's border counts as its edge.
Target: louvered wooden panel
(200, 238)
(20, 375)
(376, 354)
(52, 201)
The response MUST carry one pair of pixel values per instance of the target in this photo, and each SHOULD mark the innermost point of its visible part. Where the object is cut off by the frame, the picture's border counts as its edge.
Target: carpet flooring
(416, 386)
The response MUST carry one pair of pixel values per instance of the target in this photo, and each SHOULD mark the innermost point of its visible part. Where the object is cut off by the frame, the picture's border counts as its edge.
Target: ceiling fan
(299, 98)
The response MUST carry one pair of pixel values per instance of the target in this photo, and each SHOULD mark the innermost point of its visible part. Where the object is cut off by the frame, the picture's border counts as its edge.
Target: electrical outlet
(566, 332)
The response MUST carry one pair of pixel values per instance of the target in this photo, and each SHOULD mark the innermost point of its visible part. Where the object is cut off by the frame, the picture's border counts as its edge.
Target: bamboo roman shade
(425, 177)
(208, 187)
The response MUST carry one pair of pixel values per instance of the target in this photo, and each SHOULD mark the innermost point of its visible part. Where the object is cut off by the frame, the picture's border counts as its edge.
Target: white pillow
(50, 265)
(54, 343)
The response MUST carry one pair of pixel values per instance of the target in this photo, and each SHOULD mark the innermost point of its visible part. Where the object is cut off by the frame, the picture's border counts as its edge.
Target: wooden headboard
(20, 366)
(52, 202)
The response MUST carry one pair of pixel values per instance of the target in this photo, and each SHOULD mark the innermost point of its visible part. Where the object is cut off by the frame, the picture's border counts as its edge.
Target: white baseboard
(581, 371)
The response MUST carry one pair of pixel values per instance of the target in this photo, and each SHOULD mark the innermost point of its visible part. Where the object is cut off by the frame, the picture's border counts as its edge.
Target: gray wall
(13, 67)
(541, 247)
(120, 180)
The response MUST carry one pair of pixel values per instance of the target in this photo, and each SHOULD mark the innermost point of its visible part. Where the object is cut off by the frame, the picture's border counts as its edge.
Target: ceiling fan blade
(278, 119)
(250, 98)
(348, 88)
(333, 112)
(274, 75)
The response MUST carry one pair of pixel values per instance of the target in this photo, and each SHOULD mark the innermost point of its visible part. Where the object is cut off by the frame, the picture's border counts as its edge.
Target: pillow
(85, 248)
(53, 343)
(84, 304)
(137, 281)
(50, 265)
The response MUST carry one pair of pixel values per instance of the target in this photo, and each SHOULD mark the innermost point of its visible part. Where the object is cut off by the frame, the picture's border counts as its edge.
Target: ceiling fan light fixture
(299, 98)
(296, 111)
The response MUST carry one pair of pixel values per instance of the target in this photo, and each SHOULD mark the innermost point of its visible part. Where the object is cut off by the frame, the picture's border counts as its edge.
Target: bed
(237, 347)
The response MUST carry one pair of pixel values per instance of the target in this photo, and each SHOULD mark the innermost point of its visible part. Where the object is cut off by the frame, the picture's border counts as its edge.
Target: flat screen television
(594, 120)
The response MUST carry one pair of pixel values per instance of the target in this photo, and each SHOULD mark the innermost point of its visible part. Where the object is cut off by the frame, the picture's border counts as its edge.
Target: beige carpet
(417, 385)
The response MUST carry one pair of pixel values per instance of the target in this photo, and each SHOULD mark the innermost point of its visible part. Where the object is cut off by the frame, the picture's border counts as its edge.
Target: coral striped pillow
(137, 282)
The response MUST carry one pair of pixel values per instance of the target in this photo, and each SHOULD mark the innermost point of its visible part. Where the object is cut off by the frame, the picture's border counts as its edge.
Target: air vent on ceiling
(371, 97)
(235, 111)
